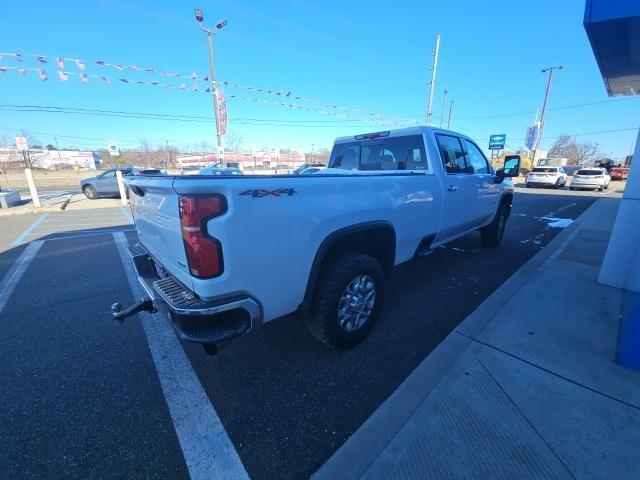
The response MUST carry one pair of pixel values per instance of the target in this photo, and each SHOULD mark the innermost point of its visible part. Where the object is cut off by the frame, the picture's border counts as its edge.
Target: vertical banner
(222, 113)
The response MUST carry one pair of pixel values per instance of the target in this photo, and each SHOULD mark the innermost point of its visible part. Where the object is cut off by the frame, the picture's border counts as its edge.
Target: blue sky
(366, 55)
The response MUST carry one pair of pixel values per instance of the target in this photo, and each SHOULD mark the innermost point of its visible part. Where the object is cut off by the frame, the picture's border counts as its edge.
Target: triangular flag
(23, 70)
(194, 87)
(63, 76)
(41, 59)
(80, 65)
(60, 62)
(118, 66)
(43, 75)
(3, 69)
(84, 78)
(183, 86)
(101, 62)
(124, 80)
(18, 56)
(134, 67)
(104, 79)
(194, 75)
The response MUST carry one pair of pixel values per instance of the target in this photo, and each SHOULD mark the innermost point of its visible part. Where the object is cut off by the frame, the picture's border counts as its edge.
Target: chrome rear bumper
(195, 320)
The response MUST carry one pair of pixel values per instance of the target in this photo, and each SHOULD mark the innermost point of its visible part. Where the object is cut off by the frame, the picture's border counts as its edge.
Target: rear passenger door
(460, 188)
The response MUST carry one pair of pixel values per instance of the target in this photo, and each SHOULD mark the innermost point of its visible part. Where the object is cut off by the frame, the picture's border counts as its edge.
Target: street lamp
(210, 33)
(543, 116)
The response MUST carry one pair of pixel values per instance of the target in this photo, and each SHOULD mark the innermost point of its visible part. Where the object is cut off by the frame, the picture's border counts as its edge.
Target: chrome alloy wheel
(356, 303)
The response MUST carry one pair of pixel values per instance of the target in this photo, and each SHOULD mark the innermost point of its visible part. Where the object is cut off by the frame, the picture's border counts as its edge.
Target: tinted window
(476, 159)
(590, 172)
(109, 173)
(348, 156)
(545, 169)
(395, 153)
(453, 157)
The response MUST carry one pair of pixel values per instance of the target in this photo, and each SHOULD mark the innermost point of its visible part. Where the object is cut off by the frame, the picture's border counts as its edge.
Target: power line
(184, 118)
(565, 107)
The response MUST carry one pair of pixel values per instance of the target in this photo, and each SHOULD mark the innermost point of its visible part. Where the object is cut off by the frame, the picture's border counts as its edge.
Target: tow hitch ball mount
(143, 305)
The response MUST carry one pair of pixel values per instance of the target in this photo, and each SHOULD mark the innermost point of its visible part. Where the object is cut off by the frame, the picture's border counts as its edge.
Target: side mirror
(511, 166)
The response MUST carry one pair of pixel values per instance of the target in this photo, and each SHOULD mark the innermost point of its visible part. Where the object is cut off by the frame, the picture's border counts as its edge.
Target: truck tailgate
(154, 204)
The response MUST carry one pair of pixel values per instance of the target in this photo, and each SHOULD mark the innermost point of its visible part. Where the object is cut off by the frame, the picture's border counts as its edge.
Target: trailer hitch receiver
(143, 305)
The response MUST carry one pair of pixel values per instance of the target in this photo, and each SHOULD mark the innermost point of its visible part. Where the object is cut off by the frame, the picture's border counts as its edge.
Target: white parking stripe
(16, 271)
(207, 449)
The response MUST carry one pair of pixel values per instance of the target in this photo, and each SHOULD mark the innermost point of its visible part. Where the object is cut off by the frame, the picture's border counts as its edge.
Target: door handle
(452, 188)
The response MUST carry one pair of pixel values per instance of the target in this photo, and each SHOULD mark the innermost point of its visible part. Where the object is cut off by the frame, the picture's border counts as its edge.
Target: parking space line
(10, 280)
(126, 214)
(28, 230)
(207, 449)
(64, 236)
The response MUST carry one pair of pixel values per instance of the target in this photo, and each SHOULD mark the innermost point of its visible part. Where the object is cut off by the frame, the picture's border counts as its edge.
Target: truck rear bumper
(194, 320)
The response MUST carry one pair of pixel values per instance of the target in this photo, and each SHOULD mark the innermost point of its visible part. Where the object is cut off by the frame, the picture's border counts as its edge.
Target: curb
(32, 209)
(357, 454)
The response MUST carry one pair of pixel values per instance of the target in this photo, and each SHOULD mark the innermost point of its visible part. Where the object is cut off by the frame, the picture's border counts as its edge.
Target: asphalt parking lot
(83, 397)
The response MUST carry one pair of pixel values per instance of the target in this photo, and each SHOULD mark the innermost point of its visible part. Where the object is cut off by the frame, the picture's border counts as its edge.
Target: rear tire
(90, 192)
(600, 189)
(492, 234)
(347, 299)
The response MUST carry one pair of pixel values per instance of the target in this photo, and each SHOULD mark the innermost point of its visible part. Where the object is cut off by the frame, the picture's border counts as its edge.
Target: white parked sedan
(547, 177)
(591, 178)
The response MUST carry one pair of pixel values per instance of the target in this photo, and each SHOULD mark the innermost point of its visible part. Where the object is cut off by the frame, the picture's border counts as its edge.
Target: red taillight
(204, 253)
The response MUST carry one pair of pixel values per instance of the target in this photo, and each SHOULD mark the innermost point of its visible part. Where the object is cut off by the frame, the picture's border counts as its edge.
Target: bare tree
(235, 142)
(577, 153)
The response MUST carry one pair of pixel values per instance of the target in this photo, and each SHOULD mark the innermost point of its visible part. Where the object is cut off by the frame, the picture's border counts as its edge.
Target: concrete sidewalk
(49, 203)
(525, 387)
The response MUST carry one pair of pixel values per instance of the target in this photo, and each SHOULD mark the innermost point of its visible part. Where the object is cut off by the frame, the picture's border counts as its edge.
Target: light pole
(449, 121)
(444, 98)
(544, 111)
(432, 83)
(212, 75)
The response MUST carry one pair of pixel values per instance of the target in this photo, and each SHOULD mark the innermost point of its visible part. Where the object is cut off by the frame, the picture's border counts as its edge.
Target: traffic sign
(496, 142)
(22, 144)
(113, 149)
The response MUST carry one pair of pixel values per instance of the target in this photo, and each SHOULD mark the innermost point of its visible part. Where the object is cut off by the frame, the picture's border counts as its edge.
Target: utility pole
(58, 149)
(432, 83)
(212, 74)
(444, 97)
(544, 110)
(449, 121)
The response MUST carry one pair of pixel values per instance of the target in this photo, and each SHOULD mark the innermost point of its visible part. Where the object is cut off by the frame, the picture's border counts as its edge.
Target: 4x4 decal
(280, 192)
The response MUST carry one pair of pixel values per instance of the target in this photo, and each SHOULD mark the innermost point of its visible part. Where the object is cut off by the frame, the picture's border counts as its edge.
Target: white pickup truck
(222, 255)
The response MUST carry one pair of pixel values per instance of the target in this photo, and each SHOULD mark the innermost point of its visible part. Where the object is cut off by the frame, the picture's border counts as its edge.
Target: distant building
(256, 159)
(50, 159)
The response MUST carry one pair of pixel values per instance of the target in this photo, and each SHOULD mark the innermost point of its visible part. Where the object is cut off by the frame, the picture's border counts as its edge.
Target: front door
(487, 191)
(107, 183)
(460, 189)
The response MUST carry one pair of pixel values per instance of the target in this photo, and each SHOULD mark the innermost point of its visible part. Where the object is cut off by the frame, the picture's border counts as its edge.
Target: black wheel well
(376, 239)
(507, 200)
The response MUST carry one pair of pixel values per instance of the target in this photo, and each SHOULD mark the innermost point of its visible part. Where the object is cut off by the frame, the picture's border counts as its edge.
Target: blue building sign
(496, 142)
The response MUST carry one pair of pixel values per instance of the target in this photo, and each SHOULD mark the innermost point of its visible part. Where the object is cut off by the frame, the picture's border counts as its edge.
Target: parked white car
(591, 178)
(223, 256)
(547, 177)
